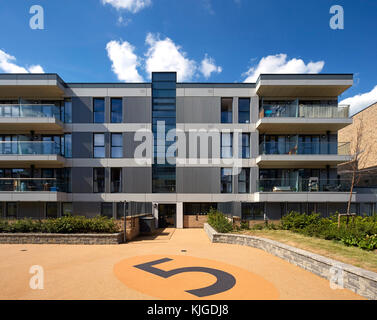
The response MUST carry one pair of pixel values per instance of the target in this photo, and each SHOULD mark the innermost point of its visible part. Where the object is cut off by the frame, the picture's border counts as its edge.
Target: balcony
(27, 189)
(310, 148)
(30, 152)
(303, 190)
(302, 154)
(303, 185)
(291, 118)
(36, 117)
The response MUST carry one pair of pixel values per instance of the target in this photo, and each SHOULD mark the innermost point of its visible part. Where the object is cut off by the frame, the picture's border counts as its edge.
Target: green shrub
(360, 231)
(219, 222)
(68, 224)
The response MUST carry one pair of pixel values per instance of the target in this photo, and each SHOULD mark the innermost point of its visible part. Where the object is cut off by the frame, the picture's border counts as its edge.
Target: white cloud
(208, 65)
(165, 55)
(361, 101)
(279, 64)
(125, 61)
(133, 6)
(7, 65)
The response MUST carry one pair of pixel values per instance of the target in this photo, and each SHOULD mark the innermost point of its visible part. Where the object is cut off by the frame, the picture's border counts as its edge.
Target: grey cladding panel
(82, 145)
(198, 180)
(82, 180)
(82, 110)
(198, 109)
(137, 180)
(137, 109)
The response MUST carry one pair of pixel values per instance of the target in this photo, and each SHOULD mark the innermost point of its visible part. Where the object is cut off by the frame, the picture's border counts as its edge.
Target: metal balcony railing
(31, 184)
(29, 148)
(303, 111)
(303, 185)
(29, 111)
(293, 148)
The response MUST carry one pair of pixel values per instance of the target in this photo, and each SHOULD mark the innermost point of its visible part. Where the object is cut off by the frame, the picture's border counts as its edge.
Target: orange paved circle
(248, 285)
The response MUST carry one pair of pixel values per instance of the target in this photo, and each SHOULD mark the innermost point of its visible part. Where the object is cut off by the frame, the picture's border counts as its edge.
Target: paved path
(109, 272)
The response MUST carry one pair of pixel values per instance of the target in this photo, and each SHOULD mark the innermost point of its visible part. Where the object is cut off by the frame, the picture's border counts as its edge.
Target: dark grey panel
(198, 180)
(107, 110)
(198, 109)
(323, 76)
(129, 144)
(82, 180)
(137, 180)
(82, 145)
(82, 110)
(137, 109)
(87, 209)
(31, 210)
(215, 85)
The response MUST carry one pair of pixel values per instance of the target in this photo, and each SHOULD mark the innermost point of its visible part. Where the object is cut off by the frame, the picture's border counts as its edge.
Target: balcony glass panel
(29, 111)
(297, 184)
(301, 147)
(289, 110)
(29, 148)
(32, 184)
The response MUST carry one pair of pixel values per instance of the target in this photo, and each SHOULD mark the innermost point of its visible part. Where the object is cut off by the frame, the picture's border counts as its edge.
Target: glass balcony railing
(29, 111)
(29, 148)
(303, 111)
(303, 185)
(31, 184)
(292, 148)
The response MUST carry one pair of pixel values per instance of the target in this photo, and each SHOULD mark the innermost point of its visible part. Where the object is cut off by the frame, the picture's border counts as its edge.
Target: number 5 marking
(225, 281)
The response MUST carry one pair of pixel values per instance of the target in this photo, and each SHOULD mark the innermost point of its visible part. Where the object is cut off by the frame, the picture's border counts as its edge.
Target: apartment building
(73, 147)
(363, 128)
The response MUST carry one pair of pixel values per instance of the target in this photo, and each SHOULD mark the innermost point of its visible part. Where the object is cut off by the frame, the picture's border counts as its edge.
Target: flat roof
(14, 77)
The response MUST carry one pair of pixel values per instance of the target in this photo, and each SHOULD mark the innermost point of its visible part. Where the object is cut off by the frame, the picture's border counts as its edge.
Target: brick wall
(54, 238)
(190, 221)
(368, 117)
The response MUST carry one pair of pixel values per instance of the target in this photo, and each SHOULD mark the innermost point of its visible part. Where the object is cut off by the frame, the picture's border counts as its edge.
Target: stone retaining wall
(360, 281)
(55, 238)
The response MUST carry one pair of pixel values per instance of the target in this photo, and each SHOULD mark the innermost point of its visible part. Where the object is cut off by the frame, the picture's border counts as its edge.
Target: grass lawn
(327, 248)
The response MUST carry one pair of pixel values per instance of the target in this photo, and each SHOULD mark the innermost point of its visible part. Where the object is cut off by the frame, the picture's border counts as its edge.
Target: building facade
(74, 147)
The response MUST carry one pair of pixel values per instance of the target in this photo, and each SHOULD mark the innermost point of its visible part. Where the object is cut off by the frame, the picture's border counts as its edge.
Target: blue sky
(205, 40)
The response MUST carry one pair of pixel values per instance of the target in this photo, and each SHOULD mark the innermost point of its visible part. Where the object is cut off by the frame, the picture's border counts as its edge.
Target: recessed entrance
(167, 215)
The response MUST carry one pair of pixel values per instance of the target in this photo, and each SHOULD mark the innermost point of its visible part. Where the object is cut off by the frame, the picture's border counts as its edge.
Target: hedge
(67, 224)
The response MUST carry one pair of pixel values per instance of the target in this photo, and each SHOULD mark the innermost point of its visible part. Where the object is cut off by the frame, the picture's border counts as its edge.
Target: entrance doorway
(167, 215)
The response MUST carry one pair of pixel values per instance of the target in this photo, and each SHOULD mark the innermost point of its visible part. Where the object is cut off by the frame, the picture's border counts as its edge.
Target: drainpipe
(124, 224)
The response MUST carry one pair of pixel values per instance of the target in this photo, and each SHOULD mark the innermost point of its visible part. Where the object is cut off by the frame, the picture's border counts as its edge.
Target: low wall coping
(89, 235)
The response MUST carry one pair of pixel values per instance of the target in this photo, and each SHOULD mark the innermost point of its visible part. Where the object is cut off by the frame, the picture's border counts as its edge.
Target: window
(99, 145)
(51, 210)
(116, 110)
(120, 209)
(11, 210)
(98, 180)
(198, 208)
(98, 110)
(244, 181)
(163, 179)
(67, 209)
(116, 145)
(244, 146)
(107, 209)
(226, 110)
(226, 145)
(226, 180)
(67, 151)
(67, 111)
(116, 180)
(244, 110)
